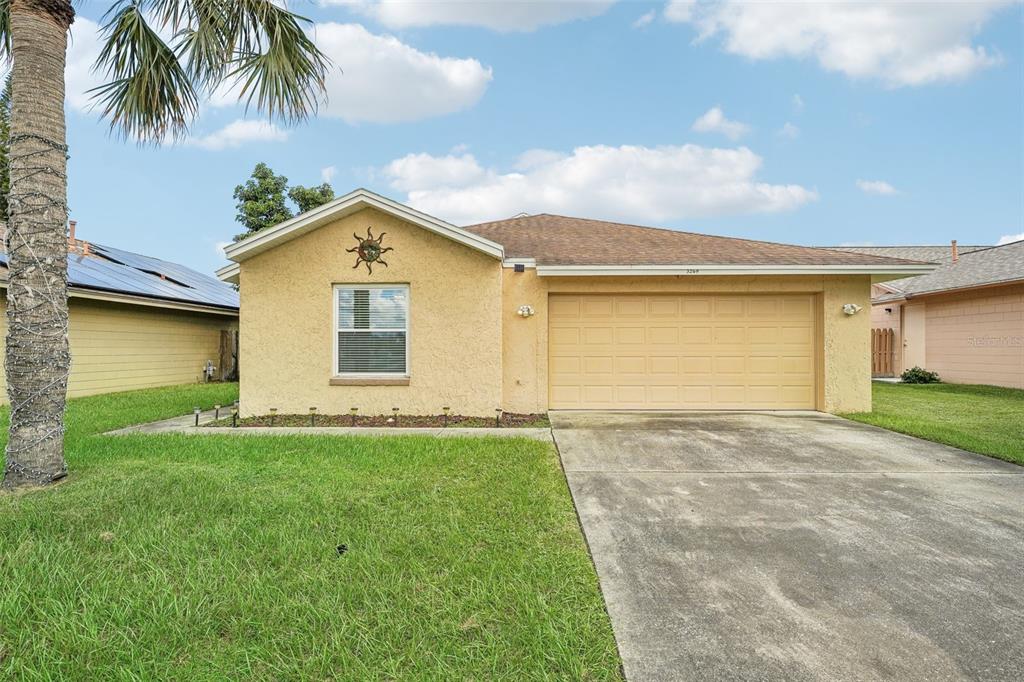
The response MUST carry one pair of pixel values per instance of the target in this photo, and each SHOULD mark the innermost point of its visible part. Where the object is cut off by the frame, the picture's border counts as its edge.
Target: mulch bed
(508, 420)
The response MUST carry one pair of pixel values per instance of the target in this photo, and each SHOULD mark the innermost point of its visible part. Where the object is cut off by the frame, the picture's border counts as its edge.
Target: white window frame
(336, 330)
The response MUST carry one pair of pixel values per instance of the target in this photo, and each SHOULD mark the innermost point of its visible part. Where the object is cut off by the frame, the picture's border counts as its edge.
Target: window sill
(370, 380)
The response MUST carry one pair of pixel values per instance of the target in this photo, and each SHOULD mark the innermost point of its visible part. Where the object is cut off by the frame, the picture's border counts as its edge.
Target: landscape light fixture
(446, 410)
(353, 411)
(196, 412)
(234, 417)
(216, 411)
(497, 417)
(273, 412)
(395, 410)
(312, 416)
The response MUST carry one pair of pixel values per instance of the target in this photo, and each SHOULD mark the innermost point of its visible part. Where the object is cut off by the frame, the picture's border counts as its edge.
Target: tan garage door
(681, 352)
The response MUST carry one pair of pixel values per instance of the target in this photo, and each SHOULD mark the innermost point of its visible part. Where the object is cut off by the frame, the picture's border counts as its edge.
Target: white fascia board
(346, 205)
(699, 270)
(228, 273)
(525, 262)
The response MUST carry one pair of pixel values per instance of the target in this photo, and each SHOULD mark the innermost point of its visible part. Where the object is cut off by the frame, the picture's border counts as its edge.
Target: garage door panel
(681, 351)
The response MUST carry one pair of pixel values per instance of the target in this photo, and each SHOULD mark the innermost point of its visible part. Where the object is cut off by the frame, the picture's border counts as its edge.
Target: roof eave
(346, 205)
(228, 273)
(906, 270)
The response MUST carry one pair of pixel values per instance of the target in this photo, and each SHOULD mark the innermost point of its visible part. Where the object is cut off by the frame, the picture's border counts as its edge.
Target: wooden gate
(883, 352)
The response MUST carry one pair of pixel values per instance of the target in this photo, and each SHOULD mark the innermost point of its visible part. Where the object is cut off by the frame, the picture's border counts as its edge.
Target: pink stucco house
(964, 320)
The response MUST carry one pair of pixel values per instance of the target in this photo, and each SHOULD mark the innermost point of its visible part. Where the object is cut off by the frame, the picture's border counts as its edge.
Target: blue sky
(801, 123)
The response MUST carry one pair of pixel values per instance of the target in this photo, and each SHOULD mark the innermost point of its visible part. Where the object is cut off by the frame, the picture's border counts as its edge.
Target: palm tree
(152, 91)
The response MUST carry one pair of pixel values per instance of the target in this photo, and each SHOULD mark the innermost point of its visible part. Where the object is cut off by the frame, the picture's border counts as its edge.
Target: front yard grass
(984, 419)
(295, 557)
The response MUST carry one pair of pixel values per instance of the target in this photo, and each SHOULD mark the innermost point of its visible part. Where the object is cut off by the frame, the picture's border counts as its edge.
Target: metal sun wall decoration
(369, 250)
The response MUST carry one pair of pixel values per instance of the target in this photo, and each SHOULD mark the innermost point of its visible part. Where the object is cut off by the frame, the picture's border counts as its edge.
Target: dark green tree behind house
(308, 198)
(5, 140)
(261, 200)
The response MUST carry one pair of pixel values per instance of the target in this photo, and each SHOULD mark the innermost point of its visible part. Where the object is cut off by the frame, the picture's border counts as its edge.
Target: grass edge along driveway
(177, 557)
(985, 419)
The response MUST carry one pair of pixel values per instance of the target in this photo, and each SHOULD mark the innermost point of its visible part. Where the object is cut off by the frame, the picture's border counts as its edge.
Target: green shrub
(916, 375)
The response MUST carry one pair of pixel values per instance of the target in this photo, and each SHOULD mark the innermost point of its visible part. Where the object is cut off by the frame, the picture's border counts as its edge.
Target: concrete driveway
(798, 546)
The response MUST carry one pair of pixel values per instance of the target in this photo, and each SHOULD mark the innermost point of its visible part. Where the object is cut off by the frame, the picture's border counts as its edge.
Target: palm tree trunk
(37, 357)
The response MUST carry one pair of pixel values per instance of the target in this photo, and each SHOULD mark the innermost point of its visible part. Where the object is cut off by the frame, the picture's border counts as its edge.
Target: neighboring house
(543, 312)
(965, 320)
(137, 322)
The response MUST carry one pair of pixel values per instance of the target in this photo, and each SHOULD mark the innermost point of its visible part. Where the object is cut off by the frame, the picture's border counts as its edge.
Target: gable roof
(931, 254)
(355, 200)
(564, 245)
(984, 267)
(103, 272)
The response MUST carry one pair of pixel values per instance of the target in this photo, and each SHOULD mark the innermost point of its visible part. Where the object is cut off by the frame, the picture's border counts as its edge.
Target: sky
(806, 123)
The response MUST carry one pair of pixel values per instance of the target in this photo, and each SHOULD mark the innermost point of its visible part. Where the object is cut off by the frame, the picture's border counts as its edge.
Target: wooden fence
(883, 352)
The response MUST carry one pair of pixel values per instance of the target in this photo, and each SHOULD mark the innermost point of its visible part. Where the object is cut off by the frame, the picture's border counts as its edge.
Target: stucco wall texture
(469, 349)
(287, 336)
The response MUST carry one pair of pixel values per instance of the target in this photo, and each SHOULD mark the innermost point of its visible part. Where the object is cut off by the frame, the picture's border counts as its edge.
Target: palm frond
(5, 30)
(154, 85)
(277, 66)
(150, 96)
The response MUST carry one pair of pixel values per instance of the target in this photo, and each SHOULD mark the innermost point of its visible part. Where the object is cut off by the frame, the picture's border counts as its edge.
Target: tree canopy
(261, 200)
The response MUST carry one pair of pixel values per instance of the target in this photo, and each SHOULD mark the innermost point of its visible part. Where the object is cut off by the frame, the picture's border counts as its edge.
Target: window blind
(372, 330)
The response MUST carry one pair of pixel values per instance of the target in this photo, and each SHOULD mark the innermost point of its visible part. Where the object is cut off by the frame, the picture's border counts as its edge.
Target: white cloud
(714, 121)
(416, 171)
(497, 16)
(789, 131)
(376, 78)
(237, 133)
(83, 48)
(876, 187)
(798, 103)
(327, 174)
(633, 183)
(1010, 238)
(645, 19)
(901, 43)
(380, 79)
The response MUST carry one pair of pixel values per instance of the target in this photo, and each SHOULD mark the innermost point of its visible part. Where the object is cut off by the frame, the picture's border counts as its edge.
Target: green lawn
(985, 419)
(216, 557)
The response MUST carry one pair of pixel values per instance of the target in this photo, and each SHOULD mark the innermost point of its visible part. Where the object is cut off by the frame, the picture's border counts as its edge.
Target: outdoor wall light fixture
(525, 311)
(851, 308)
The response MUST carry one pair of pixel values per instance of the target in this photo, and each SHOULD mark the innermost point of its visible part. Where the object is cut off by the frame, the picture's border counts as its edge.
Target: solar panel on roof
(98, 270)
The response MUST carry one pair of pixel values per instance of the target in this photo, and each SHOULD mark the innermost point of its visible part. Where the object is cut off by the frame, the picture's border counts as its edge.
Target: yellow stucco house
(367, 303)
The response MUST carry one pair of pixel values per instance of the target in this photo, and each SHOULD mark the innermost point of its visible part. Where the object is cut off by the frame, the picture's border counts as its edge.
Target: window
(372, 328)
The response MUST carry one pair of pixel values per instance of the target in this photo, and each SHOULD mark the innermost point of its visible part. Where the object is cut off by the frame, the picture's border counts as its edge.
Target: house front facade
(964, 320)
(369, 304)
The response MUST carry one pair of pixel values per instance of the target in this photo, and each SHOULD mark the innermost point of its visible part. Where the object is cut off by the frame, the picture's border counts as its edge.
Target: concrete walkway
(798, 546)
(186, 425)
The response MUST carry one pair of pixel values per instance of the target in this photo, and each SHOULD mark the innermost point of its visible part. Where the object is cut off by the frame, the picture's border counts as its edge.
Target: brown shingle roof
(560, 240)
